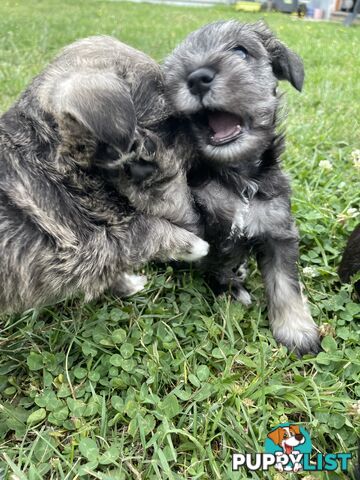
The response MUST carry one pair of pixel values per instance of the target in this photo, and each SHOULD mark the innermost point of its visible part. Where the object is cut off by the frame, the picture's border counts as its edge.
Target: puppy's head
(287, 437)
(223, 77)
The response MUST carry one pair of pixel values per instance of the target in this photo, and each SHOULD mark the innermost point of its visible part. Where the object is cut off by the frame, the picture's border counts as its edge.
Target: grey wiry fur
(73, 216)
(222, 80)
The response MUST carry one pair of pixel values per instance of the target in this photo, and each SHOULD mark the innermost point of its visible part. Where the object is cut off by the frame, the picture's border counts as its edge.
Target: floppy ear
(100, 102)
(286, 64)
(295, 429)
(276, 436)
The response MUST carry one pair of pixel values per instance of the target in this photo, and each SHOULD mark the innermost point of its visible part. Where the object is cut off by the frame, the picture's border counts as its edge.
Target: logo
(288, 443)
(288, 448)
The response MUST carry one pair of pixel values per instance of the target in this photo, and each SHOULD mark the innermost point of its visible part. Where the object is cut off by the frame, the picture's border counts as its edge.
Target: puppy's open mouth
(288, 449)
(222, 127)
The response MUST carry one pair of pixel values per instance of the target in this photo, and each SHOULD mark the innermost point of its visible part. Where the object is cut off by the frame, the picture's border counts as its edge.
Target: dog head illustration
(287, 438)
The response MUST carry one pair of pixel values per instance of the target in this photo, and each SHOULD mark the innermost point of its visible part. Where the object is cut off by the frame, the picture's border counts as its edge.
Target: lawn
(167, 384)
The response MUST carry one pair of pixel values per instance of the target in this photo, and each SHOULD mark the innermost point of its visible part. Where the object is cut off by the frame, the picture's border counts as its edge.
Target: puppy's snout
(199, 82)
(299, 437)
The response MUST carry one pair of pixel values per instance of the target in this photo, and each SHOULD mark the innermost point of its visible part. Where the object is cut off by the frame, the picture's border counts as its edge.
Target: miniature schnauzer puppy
(76, 215)
(222, 80)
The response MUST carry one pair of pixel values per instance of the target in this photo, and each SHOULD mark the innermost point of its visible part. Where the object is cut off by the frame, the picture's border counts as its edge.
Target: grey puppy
(222, 80)
(75, 215)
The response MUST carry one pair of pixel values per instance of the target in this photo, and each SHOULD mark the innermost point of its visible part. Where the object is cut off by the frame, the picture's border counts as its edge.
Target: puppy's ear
(295, 429)
(286, 64)
(276, 436)
(101, 103)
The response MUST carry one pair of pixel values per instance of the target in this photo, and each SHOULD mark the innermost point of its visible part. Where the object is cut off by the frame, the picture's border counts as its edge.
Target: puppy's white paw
(198, 249)
(135, 283)
(129, 284)
(294, 327)
(242, 296)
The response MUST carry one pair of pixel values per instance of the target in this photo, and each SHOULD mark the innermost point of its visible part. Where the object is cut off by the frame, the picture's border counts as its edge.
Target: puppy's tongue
(225, 126)
(288, 449)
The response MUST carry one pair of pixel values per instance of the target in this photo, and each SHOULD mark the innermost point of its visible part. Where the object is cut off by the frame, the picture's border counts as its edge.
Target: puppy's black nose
(199, 82)
(299, 437)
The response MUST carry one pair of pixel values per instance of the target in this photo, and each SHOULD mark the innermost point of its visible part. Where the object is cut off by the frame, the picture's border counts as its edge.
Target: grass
(168, 384)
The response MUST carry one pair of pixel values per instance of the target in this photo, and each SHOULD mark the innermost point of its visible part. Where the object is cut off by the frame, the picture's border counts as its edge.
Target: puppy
(222, 81)
(288, 438)
(350, 263)
(73, 216)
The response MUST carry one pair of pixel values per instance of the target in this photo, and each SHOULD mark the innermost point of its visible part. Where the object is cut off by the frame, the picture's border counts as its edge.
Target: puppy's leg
(228, 281)
(104, 261)
(163, 241)
(290, 318)
(225, 269)
(239, 292)
(226, 265)
(153, 238)
(49, 274)
(150, 238)
(153, 180)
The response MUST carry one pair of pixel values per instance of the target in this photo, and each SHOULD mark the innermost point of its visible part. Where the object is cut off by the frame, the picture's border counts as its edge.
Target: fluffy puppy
(70, 218)
(222, 80)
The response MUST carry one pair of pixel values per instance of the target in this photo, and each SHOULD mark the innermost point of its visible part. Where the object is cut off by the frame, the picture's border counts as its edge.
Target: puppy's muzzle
(199, 81)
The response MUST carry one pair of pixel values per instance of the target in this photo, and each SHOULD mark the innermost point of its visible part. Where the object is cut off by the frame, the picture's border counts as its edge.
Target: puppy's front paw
(139, 170)
(140, 162)
(294, 327)
(129, 284)
(240, 294)
(223, 283)
(196, 250)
